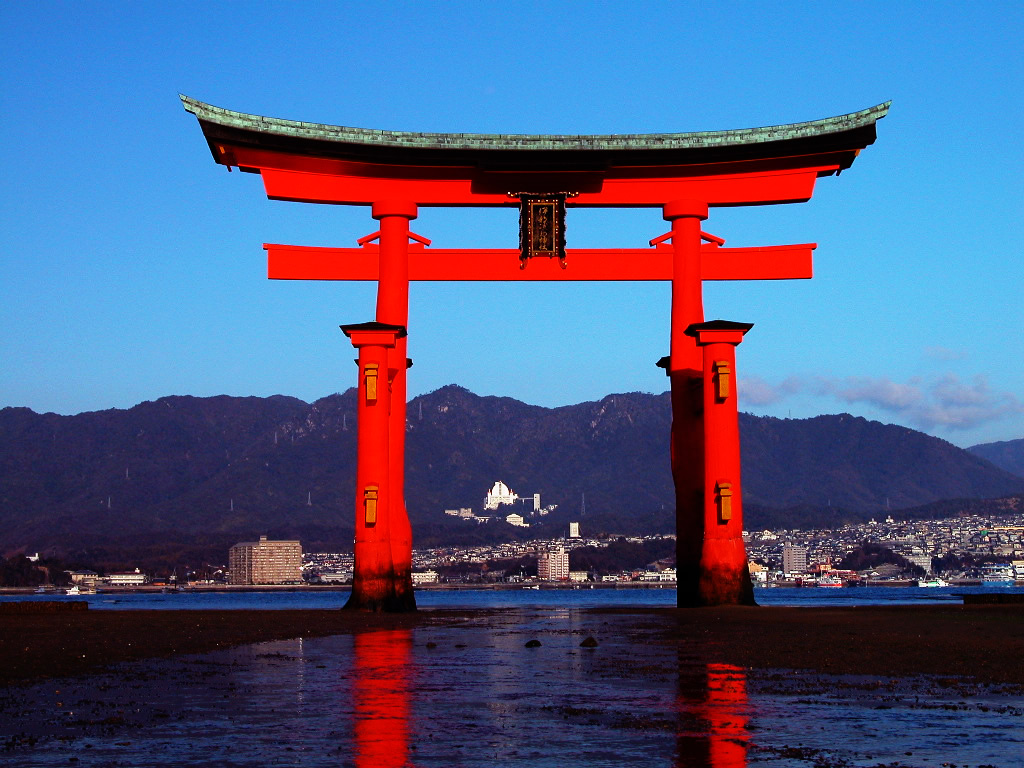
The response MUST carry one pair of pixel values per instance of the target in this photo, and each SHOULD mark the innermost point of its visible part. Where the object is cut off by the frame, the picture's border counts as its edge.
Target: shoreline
(984, 642)
(496, 586)
(242, 588)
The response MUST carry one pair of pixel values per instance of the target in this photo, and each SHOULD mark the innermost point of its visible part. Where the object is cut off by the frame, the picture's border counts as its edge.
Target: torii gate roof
(482, 169)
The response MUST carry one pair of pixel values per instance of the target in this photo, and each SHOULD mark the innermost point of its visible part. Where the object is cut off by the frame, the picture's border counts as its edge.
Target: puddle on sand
(474, 695)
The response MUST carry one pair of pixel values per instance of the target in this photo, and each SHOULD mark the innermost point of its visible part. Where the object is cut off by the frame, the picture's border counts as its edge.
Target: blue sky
(132, 264)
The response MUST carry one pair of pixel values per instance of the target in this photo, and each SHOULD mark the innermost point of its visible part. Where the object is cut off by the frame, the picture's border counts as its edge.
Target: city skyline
(134, 266)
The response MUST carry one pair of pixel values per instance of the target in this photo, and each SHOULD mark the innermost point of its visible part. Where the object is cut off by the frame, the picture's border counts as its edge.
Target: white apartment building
(794, 559)
(553, 565)
(265, 562)
(919, 559)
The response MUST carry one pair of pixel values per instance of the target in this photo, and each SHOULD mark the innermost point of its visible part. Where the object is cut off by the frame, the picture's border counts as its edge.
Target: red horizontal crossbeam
(776, 262)
(752, 188)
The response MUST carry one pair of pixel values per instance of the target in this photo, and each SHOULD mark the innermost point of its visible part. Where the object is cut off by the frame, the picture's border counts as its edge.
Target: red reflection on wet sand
(712, 708)
(381, 697)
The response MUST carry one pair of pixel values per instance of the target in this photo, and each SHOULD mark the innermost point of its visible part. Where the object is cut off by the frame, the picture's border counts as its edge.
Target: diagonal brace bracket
(705, 236)
(367, 239)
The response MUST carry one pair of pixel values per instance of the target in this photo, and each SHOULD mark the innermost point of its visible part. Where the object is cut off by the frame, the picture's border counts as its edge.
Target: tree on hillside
(871, 555)
(620, 555)
(19, 571)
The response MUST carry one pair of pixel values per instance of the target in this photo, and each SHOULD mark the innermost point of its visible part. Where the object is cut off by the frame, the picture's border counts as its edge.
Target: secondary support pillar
(684, 370)
(373, 583)
(393, 308)
(724, 576)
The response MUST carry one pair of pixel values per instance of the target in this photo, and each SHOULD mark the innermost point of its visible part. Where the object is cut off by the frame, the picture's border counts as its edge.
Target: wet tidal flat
(542, 687)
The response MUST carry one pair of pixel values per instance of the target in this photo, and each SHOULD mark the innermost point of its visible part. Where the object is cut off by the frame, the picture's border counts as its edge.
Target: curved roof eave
(852, 131)
(485, 141)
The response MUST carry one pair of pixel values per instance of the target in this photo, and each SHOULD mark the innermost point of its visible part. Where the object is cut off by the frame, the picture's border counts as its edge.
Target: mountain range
(184, 476)
(1007, 454)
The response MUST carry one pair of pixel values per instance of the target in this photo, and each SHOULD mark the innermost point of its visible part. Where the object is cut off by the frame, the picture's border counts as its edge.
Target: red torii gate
(682, 173)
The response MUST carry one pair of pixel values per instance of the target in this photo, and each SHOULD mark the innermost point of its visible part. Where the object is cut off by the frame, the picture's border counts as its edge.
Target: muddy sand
(983, 642)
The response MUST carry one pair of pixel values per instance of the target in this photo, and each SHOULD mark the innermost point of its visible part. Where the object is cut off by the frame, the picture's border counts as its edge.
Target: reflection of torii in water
(682, 174)
(382, 697)
(712, 715)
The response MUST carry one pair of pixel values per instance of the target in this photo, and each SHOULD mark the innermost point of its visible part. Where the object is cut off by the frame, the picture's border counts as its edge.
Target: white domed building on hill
(498, 495)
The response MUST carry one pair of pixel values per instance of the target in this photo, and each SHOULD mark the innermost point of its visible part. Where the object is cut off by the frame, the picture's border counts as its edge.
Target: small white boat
(75, 590)
(932, 583)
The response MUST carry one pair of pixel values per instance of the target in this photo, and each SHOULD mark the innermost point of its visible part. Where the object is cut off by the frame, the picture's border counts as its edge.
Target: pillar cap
(373, 325)
(717, 325)
(677, 209)
(402, 208)
(718, 330)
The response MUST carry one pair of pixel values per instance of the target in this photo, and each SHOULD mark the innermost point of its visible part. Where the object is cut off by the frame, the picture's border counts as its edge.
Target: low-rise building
(335, 577)
(127, 579)
(758, 573)
(424, 577)
(85, 578)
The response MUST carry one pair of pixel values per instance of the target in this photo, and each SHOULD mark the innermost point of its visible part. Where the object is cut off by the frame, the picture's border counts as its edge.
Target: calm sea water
(518, 598)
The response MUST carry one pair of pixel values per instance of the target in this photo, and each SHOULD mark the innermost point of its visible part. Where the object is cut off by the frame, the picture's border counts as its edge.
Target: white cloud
(754, 390)
(880, 392)
(961, 406)
(945, 402)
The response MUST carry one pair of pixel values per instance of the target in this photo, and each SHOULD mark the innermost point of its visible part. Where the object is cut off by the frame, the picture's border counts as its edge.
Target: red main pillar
(684, 370)
(373, 579)
(724, 576)
(393, 308)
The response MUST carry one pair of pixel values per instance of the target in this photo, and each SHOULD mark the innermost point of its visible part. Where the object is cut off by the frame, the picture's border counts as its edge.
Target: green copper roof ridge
(482, 141)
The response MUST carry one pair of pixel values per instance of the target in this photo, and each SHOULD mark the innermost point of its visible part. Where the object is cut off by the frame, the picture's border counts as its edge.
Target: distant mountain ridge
(188, 472)
(1007, 454)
